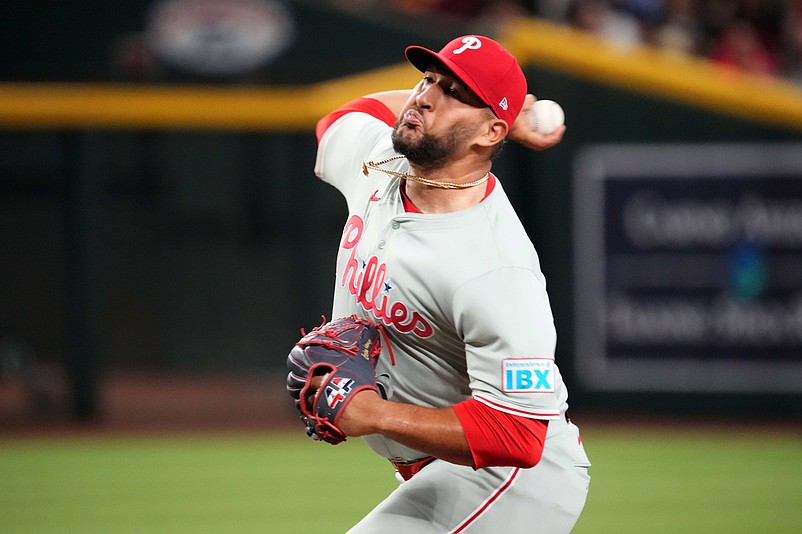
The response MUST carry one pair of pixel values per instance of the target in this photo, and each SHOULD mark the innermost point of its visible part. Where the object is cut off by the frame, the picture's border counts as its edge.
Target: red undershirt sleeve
(500, 439)
(371, 106)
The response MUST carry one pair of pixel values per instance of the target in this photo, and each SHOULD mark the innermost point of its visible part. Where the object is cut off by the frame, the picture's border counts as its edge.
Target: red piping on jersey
(409, 207)
(516, 411)
(488, 502)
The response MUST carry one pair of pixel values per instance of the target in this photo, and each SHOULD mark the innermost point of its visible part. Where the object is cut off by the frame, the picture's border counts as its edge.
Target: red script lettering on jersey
(366, 281)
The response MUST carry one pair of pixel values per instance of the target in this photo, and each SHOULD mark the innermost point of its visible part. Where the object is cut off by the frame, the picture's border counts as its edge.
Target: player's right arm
(355, 132)
(384, 106)
(522, 132)
(466, 434)
(394, 100)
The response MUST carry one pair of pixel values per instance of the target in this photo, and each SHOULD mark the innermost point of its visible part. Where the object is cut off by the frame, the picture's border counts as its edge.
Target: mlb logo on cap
(485, 66)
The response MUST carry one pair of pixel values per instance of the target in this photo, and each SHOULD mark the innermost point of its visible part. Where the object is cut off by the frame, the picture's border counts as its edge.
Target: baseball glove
(342, 351)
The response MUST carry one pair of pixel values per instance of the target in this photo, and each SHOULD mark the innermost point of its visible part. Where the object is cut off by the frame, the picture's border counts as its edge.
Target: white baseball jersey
(461, 294)
(465, 309)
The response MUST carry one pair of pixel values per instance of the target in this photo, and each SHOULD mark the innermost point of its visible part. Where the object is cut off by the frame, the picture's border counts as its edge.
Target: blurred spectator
(739, 46)
(491, 10)
(743, 34)
(553, 10)
(792, 42)
(132, 59)
(679, 29)
(602, 18)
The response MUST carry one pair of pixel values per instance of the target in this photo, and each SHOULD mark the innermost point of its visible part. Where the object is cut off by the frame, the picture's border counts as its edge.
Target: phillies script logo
(368, 283)
(337, 390)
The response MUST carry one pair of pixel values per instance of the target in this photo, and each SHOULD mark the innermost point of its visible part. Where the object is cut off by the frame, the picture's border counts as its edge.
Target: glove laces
(334, 330)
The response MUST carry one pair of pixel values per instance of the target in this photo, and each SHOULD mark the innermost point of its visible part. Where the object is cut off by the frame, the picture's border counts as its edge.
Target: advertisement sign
(219, 37)
(688, 267)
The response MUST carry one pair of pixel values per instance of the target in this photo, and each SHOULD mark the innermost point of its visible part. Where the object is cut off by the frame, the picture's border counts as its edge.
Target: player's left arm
(435, 431)
(490, 428)
(469, 433)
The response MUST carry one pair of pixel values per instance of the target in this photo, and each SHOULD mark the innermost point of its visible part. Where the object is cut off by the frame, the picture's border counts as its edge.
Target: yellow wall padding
(78, 105)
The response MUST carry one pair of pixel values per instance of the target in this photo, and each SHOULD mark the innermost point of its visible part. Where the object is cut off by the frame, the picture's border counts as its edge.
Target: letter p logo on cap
(469, 43)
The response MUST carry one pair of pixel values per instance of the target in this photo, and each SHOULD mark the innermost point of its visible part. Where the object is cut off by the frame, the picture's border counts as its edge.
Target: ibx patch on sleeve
(527, 375)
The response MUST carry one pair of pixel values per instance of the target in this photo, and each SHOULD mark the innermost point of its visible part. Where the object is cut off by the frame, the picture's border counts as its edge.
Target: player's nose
(424, 97)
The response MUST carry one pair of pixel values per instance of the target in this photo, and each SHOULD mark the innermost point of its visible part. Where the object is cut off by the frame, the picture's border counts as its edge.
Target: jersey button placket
(387, 235)
(382, 243)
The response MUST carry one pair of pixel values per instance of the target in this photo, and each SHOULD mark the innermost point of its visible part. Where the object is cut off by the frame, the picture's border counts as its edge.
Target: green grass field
(644, 481)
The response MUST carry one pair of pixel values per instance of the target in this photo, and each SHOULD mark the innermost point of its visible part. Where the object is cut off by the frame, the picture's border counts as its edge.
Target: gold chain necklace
(376, 166)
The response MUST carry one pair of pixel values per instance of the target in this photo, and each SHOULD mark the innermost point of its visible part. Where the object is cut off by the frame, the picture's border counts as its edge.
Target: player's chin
(406, 128)
(405, 136)
(411, 134)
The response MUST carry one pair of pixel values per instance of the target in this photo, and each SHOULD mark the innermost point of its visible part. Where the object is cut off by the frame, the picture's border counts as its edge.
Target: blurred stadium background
(163, 238)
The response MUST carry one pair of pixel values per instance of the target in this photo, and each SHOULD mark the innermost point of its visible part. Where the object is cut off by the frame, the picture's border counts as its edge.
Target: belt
(407, 469)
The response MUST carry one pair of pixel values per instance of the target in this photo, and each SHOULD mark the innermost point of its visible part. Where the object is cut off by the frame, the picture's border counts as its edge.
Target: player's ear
(494, 132)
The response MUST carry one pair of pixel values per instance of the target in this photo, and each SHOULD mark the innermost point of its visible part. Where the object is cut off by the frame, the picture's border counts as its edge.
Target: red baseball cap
(483, 65)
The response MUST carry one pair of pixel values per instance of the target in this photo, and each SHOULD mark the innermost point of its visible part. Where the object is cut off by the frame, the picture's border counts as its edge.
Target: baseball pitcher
(440, 354)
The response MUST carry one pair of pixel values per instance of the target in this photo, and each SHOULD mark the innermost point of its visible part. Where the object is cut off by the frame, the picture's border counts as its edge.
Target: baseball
(545, 116)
